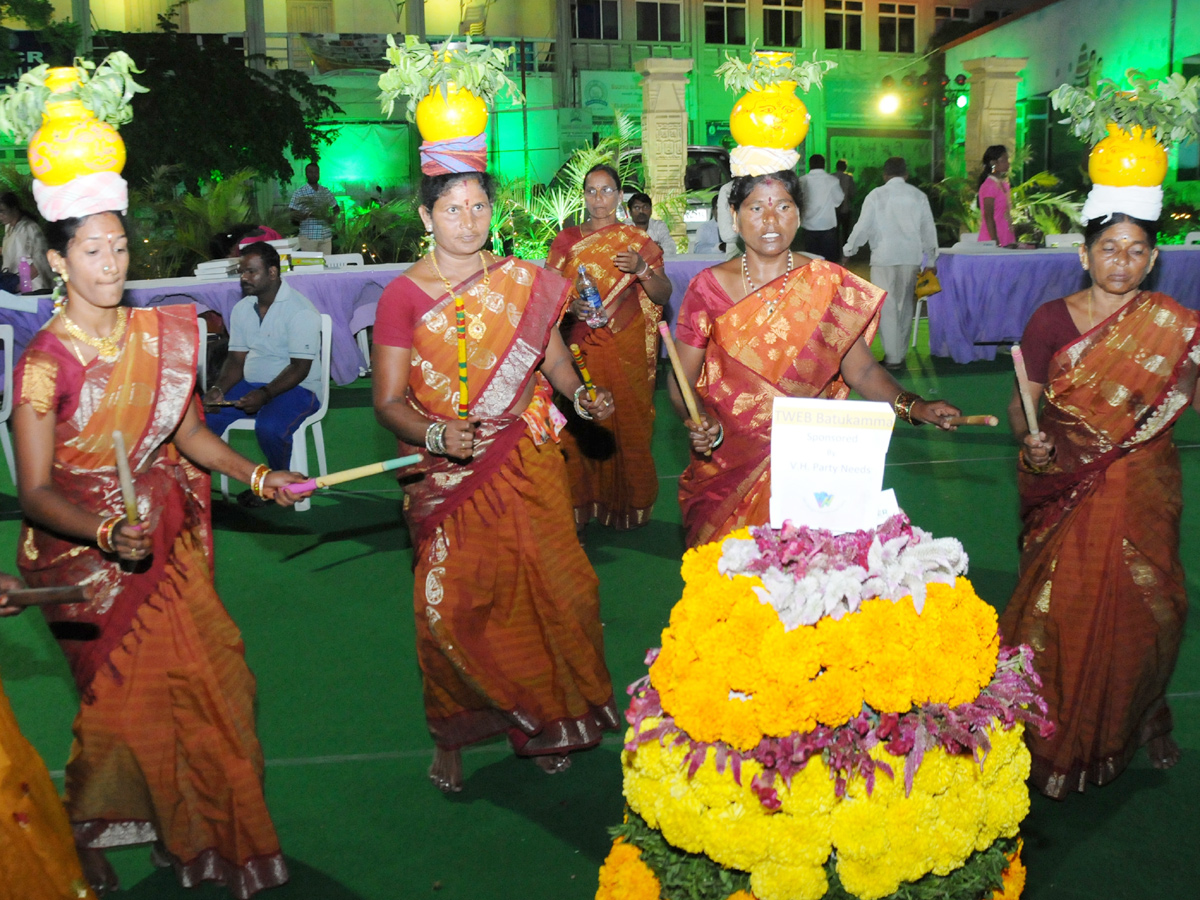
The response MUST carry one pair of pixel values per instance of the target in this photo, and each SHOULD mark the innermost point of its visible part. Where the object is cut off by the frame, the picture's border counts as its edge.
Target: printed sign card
(827, 461)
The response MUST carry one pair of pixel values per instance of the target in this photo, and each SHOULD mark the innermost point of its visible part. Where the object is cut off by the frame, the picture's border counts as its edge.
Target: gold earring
(64, 276)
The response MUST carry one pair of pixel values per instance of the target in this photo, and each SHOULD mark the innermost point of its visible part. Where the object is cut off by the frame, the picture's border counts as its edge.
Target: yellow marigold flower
(625, 877)
(729, 672)
(1014, 878)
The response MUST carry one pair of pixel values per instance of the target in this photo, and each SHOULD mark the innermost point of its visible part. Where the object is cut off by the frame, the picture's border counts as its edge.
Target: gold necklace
(750, 287)
(477, 329)
(108, 347)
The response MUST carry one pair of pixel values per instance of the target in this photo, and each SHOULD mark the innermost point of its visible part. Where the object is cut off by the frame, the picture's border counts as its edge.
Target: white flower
(736, 556)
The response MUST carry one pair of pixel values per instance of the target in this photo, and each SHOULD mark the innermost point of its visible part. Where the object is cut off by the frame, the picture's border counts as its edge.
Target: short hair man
(641, 208)
(274, 337)
(822, 196)
(897, 222)
(312, 208)
(849, 189)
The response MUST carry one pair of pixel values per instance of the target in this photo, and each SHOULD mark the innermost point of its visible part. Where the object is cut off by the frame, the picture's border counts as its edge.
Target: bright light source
(889, 103)
(961, 102)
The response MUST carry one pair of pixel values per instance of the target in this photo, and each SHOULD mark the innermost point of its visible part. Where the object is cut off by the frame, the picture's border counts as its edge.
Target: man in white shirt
(822, 196)
(897, 222)
(641, 208)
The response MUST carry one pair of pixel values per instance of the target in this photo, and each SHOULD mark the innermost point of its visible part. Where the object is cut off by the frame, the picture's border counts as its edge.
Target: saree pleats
(1102, 598)
(508, 620)
(201, 792)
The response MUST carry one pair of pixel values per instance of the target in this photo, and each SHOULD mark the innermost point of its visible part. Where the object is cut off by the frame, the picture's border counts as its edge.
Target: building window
(783, 23)
(843, 24)
(659, 21)
(596, 20)
(957, 13)
(725, 21)
(898, 27)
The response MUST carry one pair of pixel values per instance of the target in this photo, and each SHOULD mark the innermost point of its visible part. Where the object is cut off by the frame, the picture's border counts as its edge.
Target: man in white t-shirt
(897, 222)
(274, 338)
(822, 196)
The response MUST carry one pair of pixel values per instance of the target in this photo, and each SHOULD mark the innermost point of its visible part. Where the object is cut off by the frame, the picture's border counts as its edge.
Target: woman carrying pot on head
(611, 469)
(1102, 598)
(467, 357)
(158, 661)
(770, 323)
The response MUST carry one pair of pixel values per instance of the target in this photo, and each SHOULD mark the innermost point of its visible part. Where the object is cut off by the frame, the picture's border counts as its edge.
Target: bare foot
(446, 770)
(553, 764)
(1164, 752)
(98, 871)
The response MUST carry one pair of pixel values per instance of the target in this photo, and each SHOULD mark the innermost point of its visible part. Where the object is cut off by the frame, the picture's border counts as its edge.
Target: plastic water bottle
(26, 275)
(590, 294)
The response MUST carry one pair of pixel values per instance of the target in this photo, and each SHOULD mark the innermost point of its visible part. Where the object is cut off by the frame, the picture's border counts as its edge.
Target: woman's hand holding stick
(129, 539)
(1023, 387)
(685, 391)
(583, 372)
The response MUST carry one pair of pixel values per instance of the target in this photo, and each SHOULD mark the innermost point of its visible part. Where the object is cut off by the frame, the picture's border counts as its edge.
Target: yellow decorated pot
(72, 141)
(1127, 158)
(457, 114)
(772, 117)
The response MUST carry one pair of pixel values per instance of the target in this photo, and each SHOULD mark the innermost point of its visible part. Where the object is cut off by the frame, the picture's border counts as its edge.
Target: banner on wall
(603, 92)
(871, 150)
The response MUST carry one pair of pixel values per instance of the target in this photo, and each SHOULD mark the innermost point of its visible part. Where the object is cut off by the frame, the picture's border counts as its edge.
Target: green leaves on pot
(417, 69)
(1168, 109)
(765, 68)
(105, 89)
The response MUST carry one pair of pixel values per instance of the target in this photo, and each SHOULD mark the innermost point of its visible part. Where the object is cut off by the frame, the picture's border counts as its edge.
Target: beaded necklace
(751, 287)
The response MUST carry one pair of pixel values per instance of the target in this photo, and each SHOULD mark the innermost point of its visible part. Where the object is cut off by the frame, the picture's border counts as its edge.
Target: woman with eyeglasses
(609, 463)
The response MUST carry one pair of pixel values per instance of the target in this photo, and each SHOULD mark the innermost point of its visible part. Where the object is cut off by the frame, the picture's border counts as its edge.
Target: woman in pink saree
(769, 324)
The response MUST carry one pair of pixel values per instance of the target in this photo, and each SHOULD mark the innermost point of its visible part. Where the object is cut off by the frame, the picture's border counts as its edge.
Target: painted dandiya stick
(125, 477)
(460, 321)
(583, 372)
(991, 421)
(1023, 387)
(333, 478)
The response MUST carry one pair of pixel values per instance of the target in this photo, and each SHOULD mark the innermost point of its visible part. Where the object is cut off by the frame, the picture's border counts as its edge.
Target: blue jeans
(274, 424)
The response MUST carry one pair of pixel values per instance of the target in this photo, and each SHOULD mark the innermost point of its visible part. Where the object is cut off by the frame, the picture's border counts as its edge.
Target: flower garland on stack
(800, 673)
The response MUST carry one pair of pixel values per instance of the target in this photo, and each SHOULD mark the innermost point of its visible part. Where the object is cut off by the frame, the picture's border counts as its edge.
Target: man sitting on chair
(274, 336)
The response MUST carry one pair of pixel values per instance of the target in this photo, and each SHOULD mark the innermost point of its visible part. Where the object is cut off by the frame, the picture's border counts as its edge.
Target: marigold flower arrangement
(829, 716)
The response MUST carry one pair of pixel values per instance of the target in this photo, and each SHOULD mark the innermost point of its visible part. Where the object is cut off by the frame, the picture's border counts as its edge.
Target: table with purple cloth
(987, 296)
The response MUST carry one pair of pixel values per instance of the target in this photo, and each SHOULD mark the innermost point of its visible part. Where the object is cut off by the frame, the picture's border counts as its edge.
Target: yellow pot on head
(457, 114)
(772, 117)
(1127, 158)
(73, 142)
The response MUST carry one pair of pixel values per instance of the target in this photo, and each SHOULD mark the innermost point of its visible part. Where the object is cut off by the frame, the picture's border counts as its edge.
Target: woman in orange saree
(764, 325)
(507, 606)
(610, 466)
(1101, 597)
(37, 850)
(165, 749)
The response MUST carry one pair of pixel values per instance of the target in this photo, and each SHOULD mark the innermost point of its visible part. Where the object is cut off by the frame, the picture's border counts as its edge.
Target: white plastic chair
(364, 347)
(341, 260)
(6, 404)
(917, 318)
(1064, 240)
(299, 460)
(1193, 237)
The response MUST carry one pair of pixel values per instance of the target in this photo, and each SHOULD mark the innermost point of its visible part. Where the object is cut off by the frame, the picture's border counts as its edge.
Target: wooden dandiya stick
(45, 596)
(685, 389)
(351, 474)
(583, 372)
(973, 420)
(1023, 387)
(125, 477)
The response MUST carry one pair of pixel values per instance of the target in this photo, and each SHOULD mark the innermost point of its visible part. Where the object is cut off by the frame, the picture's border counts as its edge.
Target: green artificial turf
(324, 601)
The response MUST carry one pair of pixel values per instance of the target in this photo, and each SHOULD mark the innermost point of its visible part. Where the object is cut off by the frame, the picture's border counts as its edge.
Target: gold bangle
(104, 534)
(258, 480)
(903, 406)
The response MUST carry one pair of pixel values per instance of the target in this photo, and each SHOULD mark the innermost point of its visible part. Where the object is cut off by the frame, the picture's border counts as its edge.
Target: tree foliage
(208, 113)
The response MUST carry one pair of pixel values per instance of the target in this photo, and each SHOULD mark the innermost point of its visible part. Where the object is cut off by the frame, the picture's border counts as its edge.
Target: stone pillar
(414, 18)
(564, 58)
(81, 14)
(992, 114)
(256, 35)
(665, 128)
